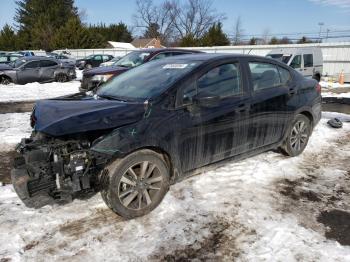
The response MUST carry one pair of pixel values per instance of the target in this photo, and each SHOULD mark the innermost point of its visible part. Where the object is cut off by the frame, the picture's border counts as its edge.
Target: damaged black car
(159, 123)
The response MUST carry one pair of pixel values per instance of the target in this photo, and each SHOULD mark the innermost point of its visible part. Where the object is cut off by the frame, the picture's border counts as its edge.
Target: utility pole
(327, 34)
(319, 35)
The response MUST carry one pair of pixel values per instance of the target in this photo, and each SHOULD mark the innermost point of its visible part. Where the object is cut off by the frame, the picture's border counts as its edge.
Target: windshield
(89, 56)
(133, 59)
(280, 57)
(146, 81)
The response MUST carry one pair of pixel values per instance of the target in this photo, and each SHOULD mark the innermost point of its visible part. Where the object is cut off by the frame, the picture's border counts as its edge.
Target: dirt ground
(318, 200)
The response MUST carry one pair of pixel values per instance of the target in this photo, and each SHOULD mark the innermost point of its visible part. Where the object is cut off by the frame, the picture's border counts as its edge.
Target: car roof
(37, 58)
(159, 50)
(210, 57)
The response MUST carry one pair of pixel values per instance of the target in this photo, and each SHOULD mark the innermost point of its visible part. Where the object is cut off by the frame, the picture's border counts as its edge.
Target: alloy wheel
(140, 186)
(299, 136)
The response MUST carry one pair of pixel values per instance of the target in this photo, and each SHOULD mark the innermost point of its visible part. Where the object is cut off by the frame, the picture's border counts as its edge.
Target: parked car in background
(62, 58)
(96, 76)
(9, 57)
(307, 60)
(159, 123)
(92, 61)
(3, 53)
(26, 53)
(111, 62)
(36, 69)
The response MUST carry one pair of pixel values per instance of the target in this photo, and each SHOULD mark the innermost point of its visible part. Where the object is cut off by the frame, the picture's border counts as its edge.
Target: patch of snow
(13, 127)
(326, 84)
(79, 74)
(331, 94)
(35, 91)
(224, 214)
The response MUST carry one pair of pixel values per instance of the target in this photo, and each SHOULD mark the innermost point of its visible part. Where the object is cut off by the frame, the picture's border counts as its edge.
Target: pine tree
(8, 39)
(215, 36)
(74, 35)
(152, 31)
(189, 41)
(38, 21)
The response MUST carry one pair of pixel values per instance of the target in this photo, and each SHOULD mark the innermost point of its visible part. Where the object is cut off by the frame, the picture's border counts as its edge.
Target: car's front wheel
(5, 80)
(298, 136)
(137, 184)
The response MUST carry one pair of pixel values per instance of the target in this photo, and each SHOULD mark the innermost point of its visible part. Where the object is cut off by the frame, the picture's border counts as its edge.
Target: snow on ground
(332, 94)
(35, 91)
(264, 208)
(13, 127)
(327, 84)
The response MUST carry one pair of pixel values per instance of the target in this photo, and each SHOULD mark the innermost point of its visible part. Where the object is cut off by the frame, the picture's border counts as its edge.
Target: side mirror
(206, 100)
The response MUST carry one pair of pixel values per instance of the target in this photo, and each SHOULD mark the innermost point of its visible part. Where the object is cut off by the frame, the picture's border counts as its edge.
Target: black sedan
(36, 69)
(159, 123)
(92, 61)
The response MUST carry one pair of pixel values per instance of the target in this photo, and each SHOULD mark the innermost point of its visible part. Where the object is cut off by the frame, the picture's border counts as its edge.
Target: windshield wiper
(111, 97)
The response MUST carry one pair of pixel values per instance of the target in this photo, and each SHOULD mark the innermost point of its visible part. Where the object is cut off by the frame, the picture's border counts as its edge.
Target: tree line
(58, 24)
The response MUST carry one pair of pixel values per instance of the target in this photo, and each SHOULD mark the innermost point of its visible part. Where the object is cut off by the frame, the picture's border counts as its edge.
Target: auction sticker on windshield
(175, 66)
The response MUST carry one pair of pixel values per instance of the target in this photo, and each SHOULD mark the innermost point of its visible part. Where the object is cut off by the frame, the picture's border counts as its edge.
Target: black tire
(5, 80)
(61, 78)
(130, 201)
(298, 136)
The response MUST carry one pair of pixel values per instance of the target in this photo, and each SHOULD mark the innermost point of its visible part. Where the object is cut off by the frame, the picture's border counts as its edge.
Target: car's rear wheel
(61, 78)
(5, 80)
(298, 136)
(137, 184)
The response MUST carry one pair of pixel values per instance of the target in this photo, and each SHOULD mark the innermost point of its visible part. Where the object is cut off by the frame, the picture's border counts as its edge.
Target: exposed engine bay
(52, 170)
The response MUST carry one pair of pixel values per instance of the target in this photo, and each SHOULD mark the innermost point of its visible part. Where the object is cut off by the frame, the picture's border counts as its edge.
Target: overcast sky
(279, 16)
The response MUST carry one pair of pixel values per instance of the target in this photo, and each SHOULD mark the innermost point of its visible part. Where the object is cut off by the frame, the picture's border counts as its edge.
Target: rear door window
(105, 58)
(48, 63)
(296, 62)
(264, 75)
(308, 60)
(33, 64)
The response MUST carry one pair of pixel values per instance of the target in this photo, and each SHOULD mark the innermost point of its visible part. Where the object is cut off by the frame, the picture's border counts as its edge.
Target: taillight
(318, 88)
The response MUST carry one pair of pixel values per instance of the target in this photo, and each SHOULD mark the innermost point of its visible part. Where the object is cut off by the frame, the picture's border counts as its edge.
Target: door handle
(242, 108)
(291, 91)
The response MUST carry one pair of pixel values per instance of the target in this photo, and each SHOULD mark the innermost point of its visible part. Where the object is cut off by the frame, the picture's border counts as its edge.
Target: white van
(307, 60)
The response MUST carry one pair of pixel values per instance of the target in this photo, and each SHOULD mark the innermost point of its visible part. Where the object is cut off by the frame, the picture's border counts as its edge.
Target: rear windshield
(280, 57)
(146, 81)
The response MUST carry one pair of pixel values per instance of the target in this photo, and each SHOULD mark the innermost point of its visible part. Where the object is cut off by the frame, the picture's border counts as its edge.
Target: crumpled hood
(103, 70)
(81, 113)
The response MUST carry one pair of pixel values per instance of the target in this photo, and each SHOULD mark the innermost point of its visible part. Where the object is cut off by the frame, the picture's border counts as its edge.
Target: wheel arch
(164, 154)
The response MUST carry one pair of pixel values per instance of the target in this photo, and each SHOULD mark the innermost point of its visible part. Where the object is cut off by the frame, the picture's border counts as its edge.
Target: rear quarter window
(284, 75)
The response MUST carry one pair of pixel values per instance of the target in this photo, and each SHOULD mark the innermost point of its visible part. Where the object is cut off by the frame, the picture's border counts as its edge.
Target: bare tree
(176, 19)
(149, 16)
(238, 31)
(194, 17)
